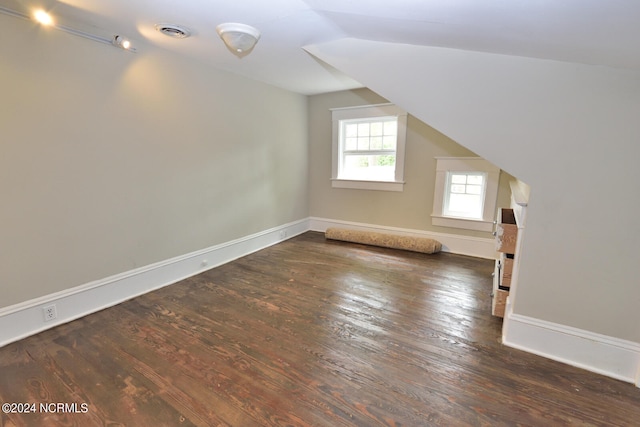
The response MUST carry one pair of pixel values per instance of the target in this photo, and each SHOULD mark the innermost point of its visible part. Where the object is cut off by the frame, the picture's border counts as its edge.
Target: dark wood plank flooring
(306, 333)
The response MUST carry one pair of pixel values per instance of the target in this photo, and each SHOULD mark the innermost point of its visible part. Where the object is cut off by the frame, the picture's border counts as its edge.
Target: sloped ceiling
(568, 130)
(584, 31)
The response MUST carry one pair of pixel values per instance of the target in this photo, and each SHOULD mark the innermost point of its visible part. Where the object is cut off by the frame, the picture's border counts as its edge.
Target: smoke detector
(174, 31)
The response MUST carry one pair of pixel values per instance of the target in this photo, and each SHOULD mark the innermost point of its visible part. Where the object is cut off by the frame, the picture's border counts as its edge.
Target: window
(466, 193)
(368, 147)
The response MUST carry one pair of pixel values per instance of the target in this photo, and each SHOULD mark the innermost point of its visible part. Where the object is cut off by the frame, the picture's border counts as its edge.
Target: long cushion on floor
(387, 240)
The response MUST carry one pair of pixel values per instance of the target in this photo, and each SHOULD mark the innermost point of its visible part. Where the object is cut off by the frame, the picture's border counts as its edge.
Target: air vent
(174, 31)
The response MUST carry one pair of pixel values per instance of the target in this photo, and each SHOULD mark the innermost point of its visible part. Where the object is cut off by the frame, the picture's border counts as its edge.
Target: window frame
(444, 167)
(368, 112)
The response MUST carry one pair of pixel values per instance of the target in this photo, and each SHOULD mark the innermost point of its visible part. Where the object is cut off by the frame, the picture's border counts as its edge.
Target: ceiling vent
(173, 31)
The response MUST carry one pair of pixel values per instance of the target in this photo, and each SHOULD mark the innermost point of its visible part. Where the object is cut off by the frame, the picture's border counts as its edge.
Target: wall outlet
(49, 312)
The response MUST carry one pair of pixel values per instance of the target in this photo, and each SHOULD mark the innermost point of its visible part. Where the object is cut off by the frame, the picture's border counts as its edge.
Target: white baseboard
(597, 353)
(24, 319)
(454, 243)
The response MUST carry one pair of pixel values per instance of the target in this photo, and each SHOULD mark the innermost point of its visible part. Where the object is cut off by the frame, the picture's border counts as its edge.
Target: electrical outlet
(49, 312)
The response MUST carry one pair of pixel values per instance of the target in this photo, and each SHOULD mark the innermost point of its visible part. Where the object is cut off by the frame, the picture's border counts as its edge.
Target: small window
(466, 193)
(368, 147)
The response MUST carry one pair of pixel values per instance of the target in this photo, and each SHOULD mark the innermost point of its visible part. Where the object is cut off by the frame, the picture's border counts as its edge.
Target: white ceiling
(601, 32)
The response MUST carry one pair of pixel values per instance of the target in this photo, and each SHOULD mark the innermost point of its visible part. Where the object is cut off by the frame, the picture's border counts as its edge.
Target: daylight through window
(368, 147)
(465, 195)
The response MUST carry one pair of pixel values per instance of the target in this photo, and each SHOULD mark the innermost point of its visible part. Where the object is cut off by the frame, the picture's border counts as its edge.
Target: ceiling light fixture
(45, 19)
(121, 42)
(240, 39)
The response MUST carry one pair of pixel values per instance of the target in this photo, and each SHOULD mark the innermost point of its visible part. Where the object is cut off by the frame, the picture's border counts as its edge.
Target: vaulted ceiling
(600, 32)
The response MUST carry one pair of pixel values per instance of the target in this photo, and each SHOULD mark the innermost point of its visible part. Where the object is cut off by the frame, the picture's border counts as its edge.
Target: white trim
(463, 245)
(519, 192)
(469, 224)
(519, 201)
(24, 319)
(368, 185)
(401, 142)
(594, 352)
(372, 110)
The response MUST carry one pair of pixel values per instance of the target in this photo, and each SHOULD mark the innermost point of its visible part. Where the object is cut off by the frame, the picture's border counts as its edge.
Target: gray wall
(111, 160)
(411, 208)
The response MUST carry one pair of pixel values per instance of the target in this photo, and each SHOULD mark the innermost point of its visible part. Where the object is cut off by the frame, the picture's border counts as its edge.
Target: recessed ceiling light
(43, 17)
(174, 31)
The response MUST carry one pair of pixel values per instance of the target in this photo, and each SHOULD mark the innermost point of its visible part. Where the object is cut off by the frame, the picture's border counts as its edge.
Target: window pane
(391, 128)
(351, 130)
(363, 143)
(351, 144)
(356, 161)
(457, 188)
(458, 178)
(363, 129)
(389, 143)
(474, 179)
(474, 189)
(376, 129)
(386, 160)
(366, 167)
(465, 206)
(376, 142)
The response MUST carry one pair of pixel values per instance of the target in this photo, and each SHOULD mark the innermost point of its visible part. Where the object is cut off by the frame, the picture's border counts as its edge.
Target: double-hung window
(368, 147)
(466, 193)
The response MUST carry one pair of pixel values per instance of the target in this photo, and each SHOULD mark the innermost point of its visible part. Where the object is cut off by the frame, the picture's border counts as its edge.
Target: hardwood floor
(306, 333)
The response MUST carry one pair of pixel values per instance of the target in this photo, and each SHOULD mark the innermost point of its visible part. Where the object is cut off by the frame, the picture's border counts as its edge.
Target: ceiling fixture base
(173, 31)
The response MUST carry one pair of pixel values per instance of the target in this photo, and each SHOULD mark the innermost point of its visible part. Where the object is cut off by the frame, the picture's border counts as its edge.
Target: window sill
(368, 185)
(467, 224)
